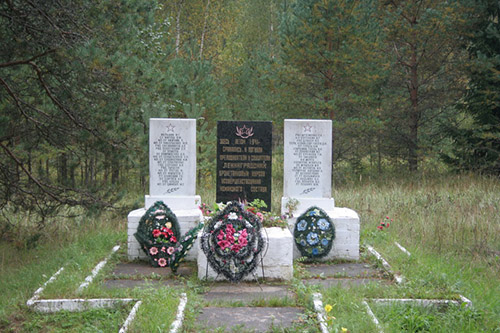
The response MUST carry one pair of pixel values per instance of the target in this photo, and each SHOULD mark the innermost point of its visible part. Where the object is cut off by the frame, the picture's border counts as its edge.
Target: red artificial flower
(156, 233)
(173, 239)
(380, 227)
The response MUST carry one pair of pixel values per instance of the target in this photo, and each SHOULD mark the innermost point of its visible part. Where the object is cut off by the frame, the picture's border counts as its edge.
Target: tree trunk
(204, 30)
(63, 169)
(414, 113)
(178, 27)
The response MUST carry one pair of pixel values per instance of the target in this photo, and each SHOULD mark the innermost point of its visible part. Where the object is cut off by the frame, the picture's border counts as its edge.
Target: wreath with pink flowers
(232, 241)
(158, 234)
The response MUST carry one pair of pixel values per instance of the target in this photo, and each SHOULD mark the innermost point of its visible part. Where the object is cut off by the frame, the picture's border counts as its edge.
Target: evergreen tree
(477, 136)
(424, 38)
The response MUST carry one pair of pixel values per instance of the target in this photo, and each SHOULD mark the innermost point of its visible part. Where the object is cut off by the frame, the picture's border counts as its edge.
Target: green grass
(99, 320)
(450, 224)
(411, 318)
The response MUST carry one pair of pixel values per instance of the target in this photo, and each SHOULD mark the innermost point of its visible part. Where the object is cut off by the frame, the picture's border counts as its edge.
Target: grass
(450, 224)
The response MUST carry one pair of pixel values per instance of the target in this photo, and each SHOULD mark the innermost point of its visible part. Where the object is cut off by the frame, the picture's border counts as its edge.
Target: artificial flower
(162, 262)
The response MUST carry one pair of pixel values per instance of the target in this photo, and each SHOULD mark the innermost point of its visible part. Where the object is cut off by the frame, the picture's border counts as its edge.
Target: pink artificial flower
(221, 235)
(162, 262)
(236, 248)
(173, 239)
(242, 241)
(153, 251)
(244, 233)
(260, 216)
(223, 244)
(163, 249)
(230, 230)
(156, 233)
(170, 250)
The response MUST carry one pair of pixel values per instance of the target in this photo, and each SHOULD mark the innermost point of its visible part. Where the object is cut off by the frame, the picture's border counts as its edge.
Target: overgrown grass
(450, 224)
(22, 271)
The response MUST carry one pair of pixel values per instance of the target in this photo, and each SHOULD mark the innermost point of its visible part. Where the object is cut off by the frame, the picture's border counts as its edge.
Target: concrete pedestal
(188, 218)
(346, 242)
(277, 257)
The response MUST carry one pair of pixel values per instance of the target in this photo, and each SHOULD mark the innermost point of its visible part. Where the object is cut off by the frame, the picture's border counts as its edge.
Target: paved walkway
(244, 317)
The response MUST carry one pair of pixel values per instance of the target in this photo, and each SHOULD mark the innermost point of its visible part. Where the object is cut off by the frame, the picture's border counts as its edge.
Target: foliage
(424, 40)
(477, 137)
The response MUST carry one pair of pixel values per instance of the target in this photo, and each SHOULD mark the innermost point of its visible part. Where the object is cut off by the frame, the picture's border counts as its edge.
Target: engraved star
(170, 128)
(307, 128)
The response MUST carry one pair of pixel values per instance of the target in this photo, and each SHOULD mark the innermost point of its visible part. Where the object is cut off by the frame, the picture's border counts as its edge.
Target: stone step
(344, 270)
(246, 292)
(145, 269)
(256, 319)
(344, 282)
(131, 284)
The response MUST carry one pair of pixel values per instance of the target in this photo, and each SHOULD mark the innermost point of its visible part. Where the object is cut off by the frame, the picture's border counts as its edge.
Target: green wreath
(158, 234)
(314, 233)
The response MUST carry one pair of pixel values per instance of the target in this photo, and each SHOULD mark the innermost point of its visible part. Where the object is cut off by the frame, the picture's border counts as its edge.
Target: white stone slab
(306, 203)
(277, 260)
(172, 157)
(77, 305)
(346, 242)
(187, 219)
(307, 158)
(178, 202)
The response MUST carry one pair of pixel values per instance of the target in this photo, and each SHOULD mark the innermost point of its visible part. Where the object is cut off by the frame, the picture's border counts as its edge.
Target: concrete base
(278, 258)
(304, 204)
(187, 219)
(179, 202)
(346, 242)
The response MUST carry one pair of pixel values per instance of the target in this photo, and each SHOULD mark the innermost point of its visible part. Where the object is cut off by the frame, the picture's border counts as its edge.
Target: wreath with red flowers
(232, 241)
(158, 234)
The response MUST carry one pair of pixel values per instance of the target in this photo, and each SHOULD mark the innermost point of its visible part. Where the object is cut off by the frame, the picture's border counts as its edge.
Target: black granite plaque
(244, 159)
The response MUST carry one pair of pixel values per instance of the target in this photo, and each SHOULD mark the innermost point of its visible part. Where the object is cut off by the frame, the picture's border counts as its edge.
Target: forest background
(411, 86)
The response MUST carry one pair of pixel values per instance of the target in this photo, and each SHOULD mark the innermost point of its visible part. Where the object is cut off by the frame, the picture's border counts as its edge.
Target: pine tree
(477, 137)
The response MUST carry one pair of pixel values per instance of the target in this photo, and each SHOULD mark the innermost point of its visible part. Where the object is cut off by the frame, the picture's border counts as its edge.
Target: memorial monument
(244, 161)
(172, 172)
(307, 178)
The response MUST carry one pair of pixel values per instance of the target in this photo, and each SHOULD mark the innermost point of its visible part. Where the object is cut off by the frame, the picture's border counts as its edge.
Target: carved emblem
(170, 128)
(244, 132)
(307, 128)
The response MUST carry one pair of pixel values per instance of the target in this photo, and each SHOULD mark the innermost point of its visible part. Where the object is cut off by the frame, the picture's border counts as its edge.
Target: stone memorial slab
(172, 163)
(308, 163)
(307, 179)
(244, 159)
(172, 171)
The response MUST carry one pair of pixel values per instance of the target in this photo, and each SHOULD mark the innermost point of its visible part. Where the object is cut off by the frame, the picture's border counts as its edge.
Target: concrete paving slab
(131, 284)
(145, 269)
(247, 292)
(343, 270)
(247, 319)
(345, 283)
